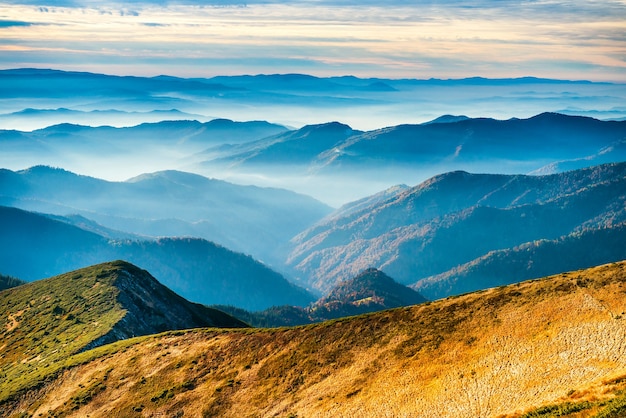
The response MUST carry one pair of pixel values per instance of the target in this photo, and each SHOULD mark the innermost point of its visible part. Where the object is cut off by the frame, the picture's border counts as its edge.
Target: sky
(576, 40)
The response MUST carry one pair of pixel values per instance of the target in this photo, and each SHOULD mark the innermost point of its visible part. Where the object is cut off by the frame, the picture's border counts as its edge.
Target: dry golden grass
(500, 352)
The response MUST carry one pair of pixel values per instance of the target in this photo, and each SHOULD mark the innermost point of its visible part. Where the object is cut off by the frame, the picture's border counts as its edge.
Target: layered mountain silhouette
(30, 119)
(449, 141)
(545, 345)
(330, 157)
(330, 161)
(458, 217)
(253, 220)
(36, 246)
(49, 321)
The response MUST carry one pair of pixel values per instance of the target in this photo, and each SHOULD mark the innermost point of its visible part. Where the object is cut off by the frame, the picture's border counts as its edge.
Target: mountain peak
(369, 289)
(447, 119)
(151, 307)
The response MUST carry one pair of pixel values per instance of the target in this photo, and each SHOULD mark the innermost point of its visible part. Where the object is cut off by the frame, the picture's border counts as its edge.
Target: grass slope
(500, 352)
(43, 325)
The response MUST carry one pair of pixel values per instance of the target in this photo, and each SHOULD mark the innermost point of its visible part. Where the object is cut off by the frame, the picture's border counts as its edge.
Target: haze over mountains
(454, 233)
(331, 161)
(457, 217)
(298, 100)
(36, 247)
(253, 220)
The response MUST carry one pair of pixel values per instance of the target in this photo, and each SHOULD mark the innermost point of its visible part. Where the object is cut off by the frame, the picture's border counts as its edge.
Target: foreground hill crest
(44, 323)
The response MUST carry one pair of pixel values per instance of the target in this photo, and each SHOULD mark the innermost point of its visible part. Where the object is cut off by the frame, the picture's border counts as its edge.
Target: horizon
(427, 39)
(335, 76)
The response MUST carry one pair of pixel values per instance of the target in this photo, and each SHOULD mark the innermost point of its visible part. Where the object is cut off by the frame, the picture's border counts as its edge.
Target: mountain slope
(289, 148)
(548, 136)
(498, 352)
(530, 260)
(48, 321)
(476, 144)
(253, 220)
(370, 291)
(36, 246)
(457, 217)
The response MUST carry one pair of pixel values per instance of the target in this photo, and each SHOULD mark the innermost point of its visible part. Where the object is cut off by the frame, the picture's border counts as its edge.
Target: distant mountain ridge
(339, 157)
(36, 246)
(326, 159)
(456, 217)
(31, 118)
(254, 220)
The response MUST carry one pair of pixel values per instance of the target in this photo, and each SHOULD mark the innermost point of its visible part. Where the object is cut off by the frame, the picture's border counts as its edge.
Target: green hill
(44, 325)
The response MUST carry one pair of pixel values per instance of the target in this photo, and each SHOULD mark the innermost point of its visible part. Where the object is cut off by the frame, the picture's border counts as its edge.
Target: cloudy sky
(373, 38)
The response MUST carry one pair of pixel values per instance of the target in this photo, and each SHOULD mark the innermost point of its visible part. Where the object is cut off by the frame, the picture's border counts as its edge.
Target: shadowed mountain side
(499, 352)
(254, 220)
(35, 246)
(370, 291)
(454, 218)
(528, 261)
(7, 282)
(48, 321)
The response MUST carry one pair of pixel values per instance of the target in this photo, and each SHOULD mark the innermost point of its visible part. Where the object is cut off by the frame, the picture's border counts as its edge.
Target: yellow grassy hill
(556, 343)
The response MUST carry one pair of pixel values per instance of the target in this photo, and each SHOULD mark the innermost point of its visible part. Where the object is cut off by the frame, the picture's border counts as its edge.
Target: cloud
(13, 23)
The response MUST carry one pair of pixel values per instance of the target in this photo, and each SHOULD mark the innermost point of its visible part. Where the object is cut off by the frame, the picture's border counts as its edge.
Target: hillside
(289, 148)
(457, 217)
(547, 136)
(548, 343)
(528, 261)
(199, 270)
(370, 291)
(47, 322)
(254, 220)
